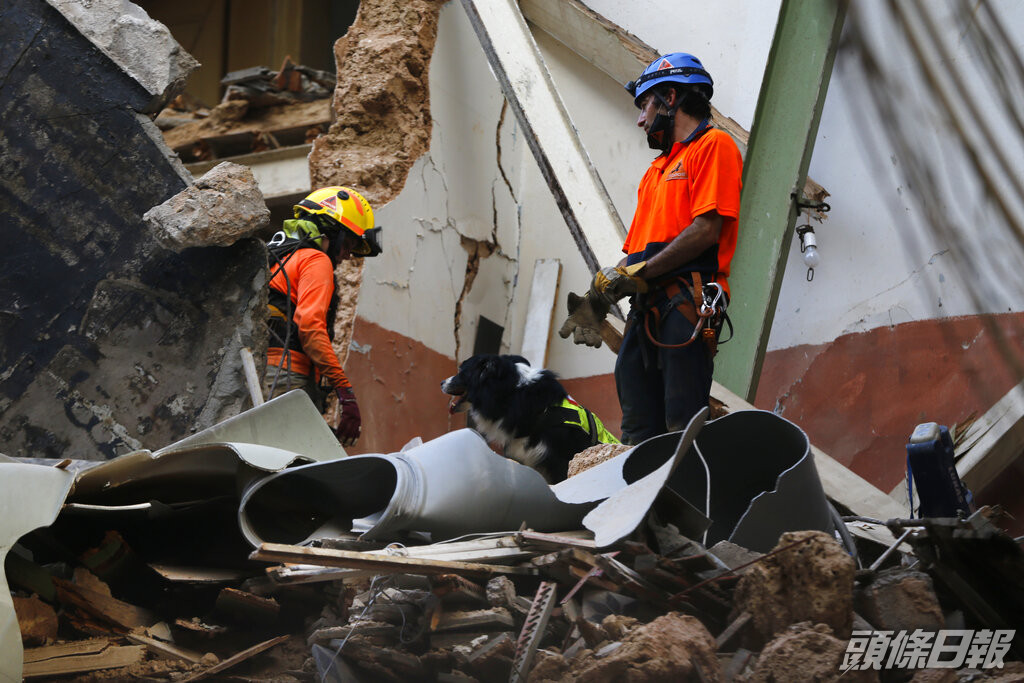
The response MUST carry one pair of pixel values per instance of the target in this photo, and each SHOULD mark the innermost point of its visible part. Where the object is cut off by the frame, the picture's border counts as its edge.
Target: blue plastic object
(930, 465)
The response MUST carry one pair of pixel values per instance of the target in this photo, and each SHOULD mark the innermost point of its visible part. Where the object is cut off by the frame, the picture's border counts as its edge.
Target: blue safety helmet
(678, 67)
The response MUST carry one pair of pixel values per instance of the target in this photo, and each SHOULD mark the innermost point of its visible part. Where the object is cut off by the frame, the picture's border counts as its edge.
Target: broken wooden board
(994, 441)
(102, 606)
(236, 659)
(79, 657)
(540, 310)
(381, 563)
(179, 574)
(495, 619)
(236, 129)
(164, 649)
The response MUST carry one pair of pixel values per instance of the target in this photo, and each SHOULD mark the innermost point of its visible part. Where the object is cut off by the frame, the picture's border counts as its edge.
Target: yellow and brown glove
(614, 282)
(586, 313)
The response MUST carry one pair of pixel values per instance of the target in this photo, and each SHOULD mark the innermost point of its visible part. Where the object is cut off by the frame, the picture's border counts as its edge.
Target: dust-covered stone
(805, 652)
(671, 648)
(810, 581)
(223, 206)
(595, 455)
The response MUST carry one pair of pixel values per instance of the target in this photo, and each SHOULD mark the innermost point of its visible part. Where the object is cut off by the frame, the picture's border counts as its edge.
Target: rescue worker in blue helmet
(679, 250)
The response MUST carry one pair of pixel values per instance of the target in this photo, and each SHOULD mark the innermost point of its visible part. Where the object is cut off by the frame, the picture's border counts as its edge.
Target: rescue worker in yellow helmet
(330, 225)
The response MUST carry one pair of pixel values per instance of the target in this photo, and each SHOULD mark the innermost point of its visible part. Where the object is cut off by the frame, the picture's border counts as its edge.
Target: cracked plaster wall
(479, 184)
(110, 342)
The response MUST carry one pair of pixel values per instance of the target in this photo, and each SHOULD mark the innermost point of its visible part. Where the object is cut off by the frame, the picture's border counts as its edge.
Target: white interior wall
(880, 264)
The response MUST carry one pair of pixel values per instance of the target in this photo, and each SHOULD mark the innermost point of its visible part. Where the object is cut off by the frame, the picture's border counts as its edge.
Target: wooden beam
(382, 563)
(540, 308)
(549, 132)
(618, 53)
(994, 441)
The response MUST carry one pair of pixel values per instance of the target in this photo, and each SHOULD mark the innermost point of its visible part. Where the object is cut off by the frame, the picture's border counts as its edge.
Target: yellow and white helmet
(346, 208)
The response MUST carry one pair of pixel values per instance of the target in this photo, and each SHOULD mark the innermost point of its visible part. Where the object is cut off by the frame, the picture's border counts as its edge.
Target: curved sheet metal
(30, 497)
(624, 510)
(204, 471)
(763, 480)
(448, 486)
(289, 422)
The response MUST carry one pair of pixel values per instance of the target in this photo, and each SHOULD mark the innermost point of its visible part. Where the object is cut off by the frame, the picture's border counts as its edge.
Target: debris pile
(214, 558)
(261, 110)
(523, 606)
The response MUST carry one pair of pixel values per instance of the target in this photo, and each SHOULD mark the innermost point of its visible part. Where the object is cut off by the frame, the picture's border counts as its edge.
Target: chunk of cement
(224, 206)
(142, 47)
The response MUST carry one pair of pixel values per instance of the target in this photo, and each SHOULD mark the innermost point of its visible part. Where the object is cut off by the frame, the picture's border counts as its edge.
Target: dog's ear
(490, 368)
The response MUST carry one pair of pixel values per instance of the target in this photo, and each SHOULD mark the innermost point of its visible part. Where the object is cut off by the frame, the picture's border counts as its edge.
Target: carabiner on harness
(712, 300)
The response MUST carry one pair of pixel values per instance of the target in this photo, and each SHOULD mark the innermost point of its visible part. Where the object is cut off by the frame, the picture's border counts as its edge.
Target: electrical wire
(707, 495)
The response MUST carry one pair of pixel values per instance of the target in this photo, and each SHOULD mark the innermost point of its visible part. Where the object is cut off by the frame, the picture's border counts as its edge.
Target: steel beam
(524, 79)
(781, 141)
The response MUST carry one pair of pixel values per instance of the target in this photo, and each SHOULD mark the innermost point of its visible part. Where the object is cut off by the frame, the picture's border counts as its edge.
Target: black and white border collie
(522, 409)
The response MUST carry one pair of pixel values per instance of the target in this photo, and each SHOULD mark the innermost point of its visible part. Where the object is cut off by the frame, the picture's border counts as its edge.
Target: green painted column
(781, 141)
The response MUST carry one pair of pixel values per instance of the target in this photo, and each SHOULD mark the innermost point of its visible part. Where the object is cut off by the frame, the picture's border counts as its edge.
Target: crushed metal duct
(456, 485)
(763, 480)
(448, 486)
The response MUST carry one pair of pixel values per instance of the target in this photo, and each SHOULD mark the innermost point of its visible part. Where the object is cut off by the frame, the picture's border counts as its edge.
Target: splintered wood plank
(540, 309)
(72, 658)
(103, 606)
(165, 650)
(236, 659)
(276, 552)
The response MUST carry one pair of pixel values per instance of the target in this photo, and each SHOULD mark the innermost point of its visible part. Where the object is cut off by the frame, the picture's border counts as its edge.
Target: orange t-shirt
(692, 179)
(311, 276)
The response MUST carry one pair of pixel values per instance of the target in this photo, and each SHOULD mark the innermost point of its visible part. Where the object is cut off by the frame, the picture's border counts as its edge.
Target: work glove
(586, 313)
(614, 282)
(351, 421)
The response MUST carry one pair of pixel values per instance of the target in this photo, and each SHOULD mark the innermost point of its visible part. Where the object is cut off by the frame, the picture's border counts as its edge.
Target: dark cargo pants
(661, 389)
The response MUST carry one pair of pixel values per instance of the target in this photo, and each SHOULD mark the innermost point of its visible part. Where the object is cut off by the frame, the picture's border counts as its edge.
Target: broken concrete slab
(112, 343)
(900, 599)
(141, 46)
(222, 207)
(808, 578)
(806, 652)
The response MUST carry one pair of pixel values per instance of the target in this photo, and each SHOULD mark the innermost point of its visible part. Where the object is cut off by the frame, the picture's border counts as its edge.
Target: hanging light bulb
(809, 249)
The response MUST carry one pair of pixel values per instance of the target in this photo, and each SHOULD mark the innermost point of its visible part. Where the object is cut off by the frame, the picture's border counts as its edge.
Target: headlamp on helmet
(679, 68)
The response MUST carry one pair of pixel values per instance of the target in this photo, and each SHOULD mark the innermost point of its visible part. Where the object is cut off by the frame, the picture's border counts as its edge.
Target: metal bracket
(802, 202)
(533, 631)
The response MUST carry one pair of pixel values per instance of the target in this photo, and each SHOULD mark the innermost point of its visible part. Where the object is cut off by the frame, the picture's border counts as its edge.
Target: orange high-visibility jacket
(690, 180)
(311, 277)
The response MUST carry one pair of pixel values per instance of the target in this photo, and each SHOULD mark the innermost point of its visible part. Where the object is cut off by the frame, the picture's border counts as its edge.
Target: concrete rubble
(223, 206)
(147, 575)
(255, 549)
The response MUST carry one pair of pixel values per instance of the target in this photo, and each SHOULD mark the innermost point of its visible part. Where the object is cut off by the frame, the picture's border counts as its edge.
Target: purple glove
(349, 424)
